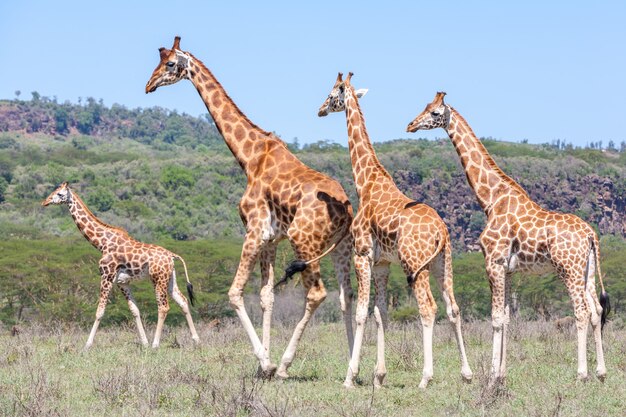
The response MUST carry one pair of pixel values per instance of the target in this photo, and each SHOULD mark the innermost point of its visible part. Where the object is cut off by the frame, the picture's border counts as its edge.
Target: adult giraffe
(123, 260)
(522, 236)
(284, 199)
(390, 227)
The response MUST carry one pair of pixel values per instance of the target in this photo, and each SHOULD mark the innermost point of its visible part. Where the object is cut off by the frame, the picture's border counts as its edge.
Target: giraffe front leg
(499, 320)
(381, 276)
(428, 310)
(249, 254)
(267, 260)
(106, 283)
(316, 294)
(132, 305)
(362, 265)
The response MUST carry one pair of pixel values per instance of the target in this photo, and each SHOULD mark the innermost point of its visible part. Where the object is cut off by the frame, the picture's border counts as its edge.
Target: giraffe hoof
(282, 374)
(467, 376)
(583, 377)
(378, 380)
(348, 384)
(266, 373)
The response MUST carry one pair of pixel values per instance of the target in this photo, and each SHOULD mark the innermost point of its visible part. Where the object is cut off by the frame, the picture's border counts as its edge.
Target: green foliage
(175, 176)
(100, 199)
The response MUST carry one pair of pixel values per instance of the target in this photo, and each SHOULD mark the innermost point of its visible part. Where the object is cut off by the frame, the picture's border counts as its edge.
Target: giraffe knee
(267, 297)
(235, 297)
(361, 314)
(134, 310)
(316, 296)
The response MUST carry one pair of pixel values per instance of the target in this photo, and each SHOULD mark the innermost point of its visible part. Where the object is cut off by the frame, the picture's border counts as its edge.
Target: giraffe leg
(249, 253)
(380, 274)
(267, 260)
(428, 310)
(442, 269)
(580, 299)
(499, 318)
(125, 288)
(341, 260)
(362, 265)
(163, 307)
(316, 293)
(106, 284)
(181, 300)
(596, 312)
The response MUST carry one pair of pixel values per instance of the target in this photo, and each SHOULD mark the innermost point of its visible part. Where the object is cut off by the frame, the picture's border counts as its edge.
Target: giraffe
(125, 259)
(284, 199)
(390, 227)
(522, 236)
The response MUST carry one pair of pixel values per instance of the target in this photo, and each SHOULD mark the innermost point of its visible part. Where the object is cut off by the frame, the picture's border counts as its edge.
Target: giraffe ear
(361, 92)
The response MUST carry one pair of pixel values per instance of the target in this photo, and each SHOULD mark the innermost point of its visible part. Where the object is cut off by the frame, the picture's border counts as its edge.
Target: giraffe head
(336, 99)
(62, 195)
(436, 114)
(173, 67)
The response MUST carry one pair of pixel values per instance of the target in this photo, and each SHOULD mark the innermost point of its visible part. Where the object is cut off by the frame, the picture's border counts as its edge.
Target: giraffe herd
(287, 200)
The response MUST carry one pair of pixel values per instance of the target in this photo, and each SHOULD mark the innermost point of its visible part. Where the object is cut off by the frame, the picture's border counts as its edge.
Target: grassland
(43, 371)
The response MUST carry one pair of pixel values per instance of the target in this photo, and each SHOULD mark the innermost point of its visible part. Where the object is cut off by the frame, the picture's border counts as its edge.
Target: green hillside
(168, 178)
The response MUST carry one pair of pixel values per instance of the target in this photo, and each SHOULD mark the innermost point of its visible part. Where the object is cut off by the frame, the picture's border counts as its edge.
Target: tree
(61, 119)
(101, 199)
(36, 96)
(17, 94)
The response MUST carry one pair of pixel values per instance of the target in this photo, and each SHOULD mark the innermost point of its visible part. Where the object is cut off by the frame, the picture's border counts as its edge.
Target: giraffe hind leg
(316, 294)
(341, 261)
(160, 288)
(442, 270)
(180, 299)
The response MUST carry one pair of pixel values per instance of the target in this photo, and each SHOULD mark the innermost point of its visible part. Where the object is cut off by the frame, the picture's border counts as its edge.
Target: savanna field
(169, 179)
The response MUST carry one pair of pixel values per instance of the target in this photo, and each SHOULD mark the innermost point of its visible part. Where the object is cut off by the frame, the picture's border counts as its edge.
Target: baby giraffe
(124, 259)
(390, 227)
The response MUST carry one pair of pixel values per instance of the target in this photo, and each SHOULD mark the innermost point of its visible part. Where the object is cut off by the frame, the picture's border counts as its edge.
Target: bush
(101, 199)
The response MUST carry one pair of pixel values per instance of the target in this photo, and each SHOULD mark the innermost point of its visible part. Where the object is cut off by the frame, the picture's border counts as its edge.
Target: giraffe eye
(170, 64)
(435, 114)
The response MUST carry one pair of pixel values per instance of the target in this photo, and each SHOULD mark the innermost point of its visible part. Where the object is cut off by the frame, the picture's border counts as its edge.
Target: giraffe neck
(244, 139)
(365, 163)
(487, 180)
(94, 229)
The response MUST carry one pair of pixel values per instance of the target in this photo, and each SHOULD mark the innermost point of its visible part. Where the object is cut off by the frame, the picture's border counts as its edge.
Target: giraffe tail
(299, 265)
(190, 293)
(605, 302)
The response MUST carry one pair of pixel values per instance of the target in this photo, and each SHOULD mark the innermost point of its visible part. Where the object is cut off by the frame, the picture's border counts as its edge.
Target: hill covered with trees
(169, 178)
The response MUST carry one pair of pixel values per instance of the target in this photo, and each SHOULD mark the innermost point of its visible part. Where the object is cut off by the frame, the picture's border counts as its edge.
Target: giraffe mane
(490, 161)
(93, 216)
(232, 102)
(368, 143)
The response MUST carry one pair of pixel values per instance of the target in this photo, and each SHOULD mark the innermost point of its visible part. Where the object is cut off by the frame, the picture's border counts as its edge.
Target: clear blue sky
(536, 70)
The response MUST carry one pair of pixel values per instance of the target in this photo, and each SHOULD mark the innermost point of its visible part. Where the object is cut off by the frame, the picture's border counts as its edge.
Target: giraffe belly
(124, 276)
(536, 266)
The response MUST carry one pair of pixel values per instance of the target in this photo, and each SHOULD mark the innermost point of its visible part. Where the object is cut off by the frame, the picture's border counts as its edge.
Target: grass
(43, 371)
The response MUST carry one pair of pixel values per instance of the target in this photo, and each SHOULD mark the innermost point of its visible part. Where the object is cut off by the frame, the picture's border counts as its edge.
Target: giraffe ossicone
(123, 260)
(521, 236)
(390, 228)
